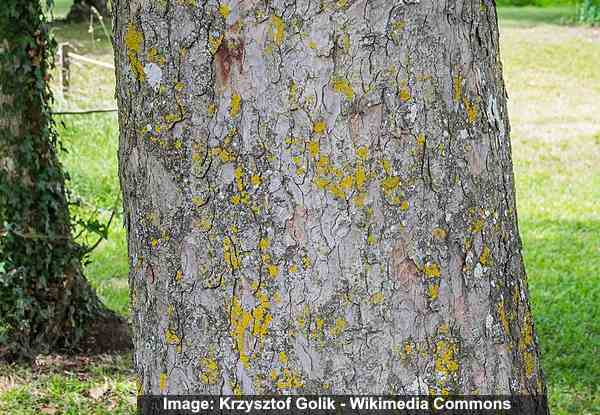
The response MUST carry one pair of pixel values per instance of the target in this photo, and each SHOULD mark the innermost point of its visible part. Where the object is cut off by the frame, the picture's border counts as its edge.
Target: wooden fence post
(64, 73)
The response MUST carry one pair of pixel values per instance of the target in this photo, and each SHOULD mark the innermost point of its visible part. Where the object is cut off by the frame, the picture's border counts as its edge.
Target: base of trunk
(109, 333)
(81, 10)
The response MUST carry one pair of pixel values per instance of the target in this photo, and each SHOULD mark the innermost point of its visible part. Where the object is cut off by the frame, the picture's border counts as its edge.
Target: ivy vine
(44, 299)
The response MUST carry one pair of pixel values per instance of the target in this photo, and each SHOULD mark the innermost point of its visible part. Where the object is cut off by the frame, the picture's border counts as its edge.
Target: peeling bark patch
(154, 75)
(229, 53)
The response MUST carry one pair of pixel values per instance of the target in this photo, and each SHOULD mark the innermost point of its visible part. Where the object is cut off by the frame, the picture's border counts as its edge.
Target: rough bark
(45, 302)
(319, 197)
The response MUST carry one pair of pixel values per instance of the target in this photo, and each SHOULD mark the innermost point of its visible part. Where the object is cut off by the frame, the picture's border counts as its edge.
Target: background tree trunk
(81, 9)
(45, 301)
(319, 197)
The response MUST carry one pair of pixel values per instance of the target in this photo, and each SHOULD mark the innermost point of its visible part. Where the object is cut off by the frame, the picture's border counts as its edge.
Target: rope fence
(66, 58)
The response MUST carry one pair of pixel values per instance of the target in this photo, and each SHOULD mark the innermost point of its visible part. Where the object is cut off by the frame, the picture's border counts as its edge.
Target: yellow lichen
(404, 92)
(477, 225)
(239, 178)
(502, 317)
(390, 183)
(240, 320)
(398, 25)
(471, 110)
(306, 263)
(171, 118)
(439, 233)
(171, 337)
(362, 152)
(263, 244)
(319, 127)
(338, 327)
(162, 381)
(224, 10)
(457, 87)
(234, 109)
(229, 254)
(202, 224)
(283, 359)
(290, 380)
(346, 183)
(359, 200)
(277, 30)
(273, 270)
(323, 164)
(371, 239)
(222, 153)
(313, 148)
(293, 94)
(445, 357)
(525, 344)
(133, 41)
(261, 316)
(210, 374)
(321, 182)
(432, 270)
(433, 292)
(336, 191)
(214, 43)
(303, 316)
(133, 38)
(318, 330)
(344, 87)
(377, 298)
(346, 42)
(211, 109)
(485, 257)
(255, 180)
(360, 176)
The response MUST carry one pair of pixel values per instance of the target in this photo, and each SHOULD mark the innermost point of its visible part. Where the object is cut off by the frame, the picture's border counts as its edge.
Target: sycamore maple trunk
(319, 198)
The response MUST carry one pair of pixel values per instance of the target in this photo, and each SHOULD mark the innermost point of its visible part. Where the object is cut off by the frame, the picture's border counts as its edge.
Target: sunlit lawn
(553, 81)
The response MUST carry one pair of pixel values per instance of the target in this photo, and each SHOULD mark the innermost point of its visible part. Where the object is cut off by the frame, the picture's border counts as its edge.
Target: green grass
(91, 141)
(100, 386)
(532, 16)
(60, 8)
(554, 89)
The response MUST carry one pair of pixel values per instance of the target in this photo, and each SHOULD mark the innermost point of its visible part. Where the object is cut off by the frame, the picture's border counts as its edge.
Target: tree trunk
(45, 301)
(319, 198)
(81, 10)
